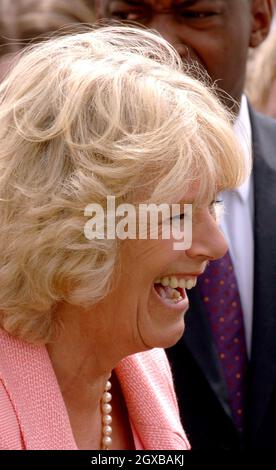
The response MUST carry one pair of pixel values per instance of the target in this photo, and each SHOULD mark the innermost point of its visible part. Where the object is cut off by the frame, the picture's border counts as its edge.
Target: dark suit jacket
(201, 391)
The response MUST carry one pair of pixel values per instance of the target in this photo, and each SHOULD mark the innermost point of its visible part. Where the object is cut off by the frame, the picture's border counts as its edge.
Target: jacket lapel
(146, 383)
(198, 339)
(263, 359)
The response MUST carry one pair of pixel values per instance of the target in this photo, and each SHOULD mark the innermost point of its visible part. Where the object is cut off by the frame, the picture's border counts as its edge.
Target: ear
(261, 17)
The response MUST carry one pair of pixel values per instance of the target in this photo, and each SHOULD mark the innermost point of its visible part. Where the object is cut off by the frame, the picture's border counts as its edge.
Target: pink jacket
(33, 413)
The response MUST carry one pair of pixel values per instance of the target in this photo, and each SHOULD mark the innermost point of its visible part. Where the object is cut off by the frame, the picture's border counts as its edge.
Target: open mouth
(171, 289)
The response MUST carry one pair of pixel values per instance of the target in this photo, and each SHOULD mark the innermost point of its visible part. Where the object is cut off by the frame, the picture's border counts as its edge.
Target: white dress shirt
(237, 225)
(273, 24)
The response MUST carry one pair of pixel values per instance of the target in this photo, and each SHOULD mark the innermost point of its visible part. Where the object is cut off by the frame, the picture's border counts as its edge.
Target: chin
(162, 324)
(174, 337)
(167, 338)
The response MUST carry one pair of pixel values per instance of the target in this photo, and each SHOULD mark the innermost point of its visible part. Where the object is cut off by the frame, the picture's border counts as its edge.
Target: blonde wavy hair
(108, 111)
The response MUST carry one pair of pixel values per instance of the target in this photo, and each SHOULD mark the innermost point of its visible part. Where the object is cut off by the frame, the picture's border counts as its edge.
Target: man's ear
(261, 14)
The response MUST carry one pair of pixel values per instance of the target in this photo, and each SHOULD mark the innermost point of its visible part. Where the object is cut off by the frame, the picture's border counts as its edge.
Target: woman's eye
(184, 217)
(179, 216)
(216, 209)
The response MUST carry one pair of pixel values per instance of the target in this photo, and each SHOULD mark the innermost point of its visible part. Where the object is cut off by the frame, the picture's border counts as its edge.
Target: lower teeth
(170, 294)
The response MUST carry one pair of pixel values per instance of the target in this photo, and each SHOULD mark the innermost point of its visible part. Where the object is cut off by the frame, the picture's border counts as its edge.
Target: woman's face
(150, 298)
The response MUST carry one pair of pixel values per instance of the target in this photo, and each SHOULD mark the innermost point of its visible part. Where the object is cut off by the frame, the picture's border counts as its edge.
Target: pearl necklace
(106, 442)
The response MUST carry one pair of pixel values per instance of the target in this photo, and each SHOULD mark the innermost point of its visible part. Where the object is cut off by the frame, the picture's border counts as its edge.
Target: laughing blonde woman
(106, 112)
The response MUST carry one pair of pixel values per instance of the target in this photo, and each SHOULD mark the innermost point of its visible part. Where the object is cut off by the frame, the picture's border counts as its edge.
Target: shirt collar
(243, 132)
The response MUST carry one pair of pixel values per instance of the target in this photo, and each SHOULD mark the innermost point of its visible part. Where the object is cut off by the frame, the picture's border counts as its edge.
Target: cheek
(219, 61)
(162, 254)
(142, 261)
(149, 263)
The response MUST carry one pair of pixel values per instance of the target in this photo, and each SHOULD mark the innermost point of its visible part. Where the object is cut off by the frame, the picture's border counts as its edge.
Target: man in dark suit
(217, 35)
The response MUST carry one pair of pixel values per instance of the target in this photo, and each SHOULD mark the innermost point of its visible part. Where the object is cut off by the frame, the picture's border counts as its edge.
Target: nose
(165, 25)
(208, 242)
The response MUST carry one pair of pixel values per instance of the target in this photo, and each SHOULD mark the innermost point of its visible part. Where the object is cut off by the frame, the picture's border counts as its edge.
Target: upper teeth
(174, 282)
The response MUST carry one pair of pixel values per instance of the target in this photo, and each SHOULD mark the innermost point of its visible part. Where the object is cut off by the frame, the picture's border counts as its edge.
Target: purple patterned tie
(219, 290)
